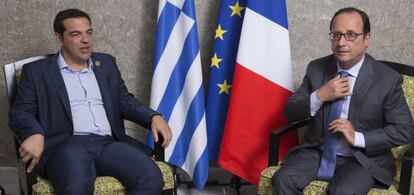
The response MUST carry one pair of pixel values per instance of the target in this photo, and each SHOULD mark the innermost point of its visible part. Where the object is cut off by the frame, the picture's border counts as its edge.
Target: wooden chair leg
(2, 190)
(405, 177)
(168, 192)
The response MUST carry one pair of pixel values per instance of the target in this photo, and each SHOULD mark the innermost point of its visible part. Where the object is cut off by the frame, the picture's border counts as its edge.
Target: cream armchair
(403, 154)
(103, 185)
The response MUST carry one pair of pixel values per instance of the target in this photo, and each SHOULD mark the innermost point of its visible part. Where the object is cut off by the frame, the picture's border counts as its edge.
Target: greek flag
(177, 87)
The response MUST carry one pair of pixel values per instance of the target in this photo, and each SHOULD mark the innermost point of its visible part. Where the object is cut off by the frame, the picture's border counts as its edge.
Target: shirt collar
(63, 65)
(354, 71)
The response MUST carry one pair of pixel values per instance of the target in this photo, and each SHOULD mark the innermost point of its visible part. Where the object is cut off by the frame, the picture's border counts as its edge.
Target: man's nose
(85, 38)
(342, 40)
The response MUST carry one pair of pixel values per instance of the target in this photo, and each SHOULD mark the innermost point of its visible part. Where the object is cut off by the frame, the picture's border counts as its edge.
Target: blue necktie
(328, 161)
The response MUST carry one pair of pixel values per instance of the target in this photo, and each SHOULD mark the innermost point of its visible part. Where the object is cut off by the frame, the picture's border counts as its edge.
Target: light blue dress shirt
(316, 104)
(88, 112)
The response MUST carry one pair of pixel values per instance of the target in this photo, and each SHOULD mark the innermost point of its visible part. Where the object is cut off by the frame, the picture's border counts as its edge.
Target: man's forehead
(349, 21)
(77, 23)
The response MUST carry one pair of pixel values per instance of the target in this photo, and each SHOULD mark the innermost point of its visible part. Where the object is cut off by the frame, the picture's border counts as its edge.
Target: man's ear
(59, 39)
(367, 39)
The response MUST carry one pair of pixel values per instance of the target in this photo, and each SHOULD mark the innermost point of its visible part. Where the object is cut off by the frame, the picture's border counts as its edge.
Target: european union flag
(226, 42)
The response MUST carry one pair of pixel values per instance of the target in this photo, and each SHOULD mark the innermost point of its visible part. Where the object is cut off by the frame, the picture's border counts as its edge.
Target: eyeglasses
(349, 36)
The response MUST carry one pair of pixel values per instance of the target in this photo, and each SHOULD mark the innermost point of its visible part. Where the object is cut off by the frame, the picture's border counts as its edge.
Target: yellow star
(215, 61)
(219, 33)
(236, 9)
(224, 87)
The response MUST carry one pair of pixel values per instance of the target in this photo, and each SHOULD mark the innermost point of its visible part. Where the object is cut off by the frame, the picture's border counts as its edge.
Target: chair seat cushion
(314, 188)
(103, 185)
(107, 185)
(167, 174)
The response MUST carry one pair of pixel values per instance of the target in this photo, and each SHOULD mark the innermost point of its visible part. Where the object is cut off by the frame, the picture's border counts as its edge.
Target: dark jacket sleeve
(398, 129)
(23, 113)
(298, 105)
(130, 107)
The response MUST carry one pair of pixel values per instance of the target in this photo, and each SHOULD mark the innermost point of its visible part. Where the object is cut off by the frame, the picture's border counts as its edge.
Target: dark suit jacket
(42, 106)
(378, 109)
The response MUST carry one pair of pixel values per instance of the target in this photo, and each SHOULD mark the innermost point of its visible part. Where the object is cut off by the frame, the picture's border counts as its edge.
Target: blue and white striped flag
(177, 87)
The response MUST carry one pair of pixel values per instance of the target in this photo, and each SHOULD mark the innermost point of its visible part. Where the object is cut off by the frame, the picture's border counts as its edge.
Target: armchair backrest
(408, 86)
(408, 81)
(404, 166)
(12, 74)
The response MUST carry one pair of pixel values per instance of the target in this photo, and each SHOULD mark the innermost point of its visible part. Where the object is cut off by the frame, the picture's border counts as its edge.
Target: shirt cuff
(315, 103)
(156, 113)
(359, 140)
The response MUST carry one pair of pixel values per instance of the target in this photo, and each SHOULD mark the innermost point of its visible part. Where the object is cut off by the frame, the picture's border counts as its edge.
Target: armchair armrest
(2, 191)
(31, 178)
(275, 139)
(158, 149)
(406, 171)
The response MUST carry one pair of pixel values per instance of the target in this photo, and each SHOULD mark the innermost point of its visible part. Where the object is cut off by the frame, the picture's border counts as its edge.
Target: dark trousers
(73, 166)
(301, 167)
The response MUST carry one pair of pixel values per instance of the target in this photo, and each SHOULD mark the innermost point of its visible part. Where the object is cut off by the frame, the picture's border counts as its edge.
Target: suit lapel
(56, 78)
(101, 77)
(362, 85)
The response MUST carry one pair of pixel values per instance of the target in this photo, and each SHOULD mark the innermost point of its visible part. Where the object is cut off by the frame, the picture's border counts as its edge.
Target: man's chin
(342, 58)
(343, 61)
(86, 56)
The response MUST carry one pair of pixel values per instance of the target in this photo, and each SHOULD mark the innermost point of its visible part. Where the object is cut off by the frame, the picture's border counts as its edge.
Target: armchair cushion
(408, 88)
(105, 184)
(314, 188)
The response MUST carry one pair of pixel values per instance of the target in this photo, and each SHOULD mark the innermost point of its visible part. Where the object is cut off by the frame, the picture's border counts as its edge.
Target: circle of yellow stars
(236, 10)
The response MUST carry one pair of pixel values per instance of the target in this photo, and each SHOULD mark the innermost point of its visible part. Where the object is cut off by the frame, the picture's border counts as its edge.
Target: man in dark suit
(372, 116)
(69, 112)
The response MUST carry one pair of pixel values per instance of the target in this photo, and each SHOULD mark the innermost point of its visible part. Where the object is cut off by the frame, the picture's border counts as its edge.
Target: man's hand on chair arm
(159, 125)
(32, 148)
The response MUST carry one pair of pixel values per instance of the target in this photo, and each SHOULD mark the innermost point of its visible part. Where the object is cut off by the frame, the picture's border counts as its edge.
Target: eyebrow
(77, 31)
(348, 31)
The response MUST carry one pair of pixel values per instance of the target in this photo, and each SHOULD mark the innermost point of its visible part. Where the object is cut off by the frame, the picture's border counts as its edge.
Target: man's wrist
(318, 96)
(156, 114)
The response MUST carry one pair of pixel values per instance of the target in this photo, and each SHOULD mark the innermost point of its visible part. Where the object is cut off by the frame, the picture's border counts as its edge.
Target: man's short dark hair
(65, 14)
(364, 17)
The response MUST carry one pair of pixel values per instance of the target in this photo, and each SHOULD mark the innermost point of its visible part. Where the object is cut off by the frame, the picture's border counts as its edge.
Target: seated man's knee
(76, 185)
(152, 179)
(346, 190)
(279, 178)
(155, 179)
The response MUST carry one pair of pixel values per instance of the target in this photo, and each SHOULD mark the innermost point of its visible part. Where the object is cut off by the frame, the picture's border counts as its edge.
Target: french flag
(262, 83)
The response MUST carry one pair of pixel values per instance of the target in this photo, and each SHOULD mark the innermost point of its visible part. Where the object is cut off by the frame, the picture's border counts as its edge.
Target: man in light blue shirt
(69, 112)
(88, 112)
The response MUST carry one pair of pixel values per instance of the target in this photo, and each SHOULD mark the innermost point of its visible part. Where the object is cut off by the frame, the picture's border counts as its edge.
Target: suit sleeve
(23, 113)
(398, 129)
(130, 107)
(298, 105)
